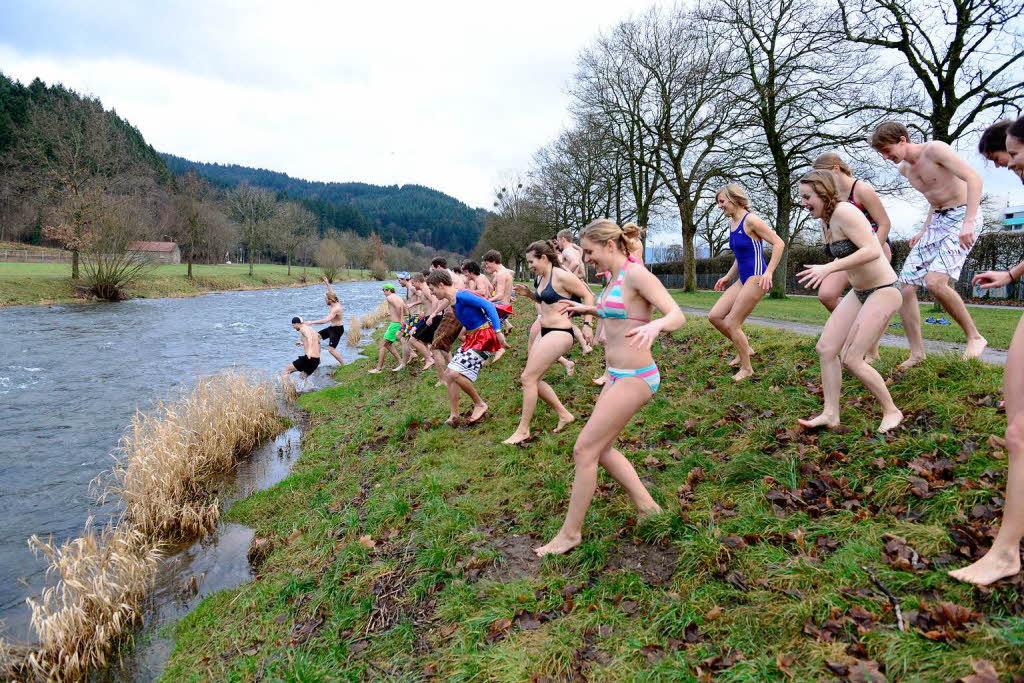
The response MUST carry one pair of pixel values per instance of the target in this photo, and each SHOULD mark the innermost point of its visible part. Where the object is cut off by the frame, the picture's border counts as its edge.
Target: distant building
(1013, 217)
(156, 252)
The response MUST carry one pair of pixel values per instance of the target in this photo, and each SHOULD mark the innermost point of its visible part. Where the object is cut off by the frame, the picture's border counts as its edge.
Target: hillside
(399, 214)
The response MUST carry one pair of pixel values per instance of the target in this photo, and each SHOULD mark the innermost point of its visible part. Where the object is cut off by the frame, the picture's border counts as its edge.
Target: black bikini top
(840, 249)
(549, 295)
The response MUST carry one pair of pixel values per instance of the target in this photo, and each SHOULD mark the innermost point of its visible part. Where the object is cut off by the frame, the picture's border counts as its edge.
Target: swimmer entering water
(310, 360)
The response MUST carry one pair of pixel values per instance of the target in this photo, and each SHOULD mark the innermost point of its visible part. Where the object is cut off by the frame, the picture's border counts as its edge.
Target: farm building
(156, 252)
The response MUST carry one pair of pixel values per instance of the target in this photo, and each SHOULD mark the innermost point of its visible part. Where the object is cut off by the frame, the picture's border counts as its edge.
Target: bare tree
(799, 89)
(295, 225)
(252, 208)
(331, 257)
(196, 213)
(962, 58)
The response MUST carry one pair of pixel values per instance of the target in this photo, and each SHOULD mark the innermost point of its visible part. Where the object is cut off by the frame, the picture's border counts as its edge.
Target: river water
(72, 376)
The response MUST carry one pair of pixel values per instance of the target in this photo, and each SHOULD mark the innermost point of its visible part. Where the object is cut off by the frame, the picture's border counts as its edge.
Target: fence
(34, 256)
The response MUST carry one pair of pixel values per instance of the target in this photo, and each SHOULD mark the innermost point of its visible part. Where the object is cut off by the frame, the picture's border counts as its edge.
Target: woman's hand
(991, 278)
(766, 280)
(722, 283)
(643, 336)
(588, 333)
(565, 307)
(812, 276)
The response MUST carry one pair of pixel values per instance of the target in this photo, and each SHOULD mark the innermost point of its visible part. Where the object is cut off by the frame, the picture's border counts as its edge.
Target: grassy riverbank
(48, 283)
(402, 547)
(995, 324)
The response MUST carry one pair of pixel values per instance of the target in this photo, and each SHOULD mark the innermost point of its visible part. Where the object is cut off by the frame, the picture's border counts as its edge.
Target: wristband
(1010, 273)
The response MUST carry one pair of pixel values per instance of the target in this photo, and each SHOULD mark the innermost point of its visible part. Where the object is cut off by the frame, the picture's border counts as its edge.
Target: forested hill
(410, 213)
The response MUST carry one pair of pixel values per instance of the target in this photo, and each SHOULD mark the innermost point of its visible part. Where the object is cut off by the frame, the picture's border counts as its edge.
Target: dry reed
(101, 577)
(354, 332)
(367, 322)
(168, 457)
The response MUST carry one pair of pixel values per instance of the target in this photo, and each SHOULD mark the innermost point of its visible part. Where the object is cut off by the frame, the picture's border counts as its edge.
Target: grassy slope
(431, 597)
(995, 324)
(47, 283)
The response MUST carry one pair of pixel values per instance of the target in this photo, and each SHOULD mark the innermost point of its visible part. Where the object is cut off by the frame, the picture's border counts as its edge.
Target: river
(72, 376)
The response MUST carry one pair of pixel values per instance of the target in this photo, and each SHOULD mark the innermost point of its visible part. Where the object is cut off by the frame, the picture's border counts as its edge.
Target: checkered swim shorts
(468, 362)
(939, 250)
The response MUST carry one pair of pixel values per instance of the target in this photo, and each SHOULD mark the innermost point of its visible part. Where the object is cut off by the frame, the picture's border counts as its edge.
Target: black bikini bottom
(545, 330)
(863, 294)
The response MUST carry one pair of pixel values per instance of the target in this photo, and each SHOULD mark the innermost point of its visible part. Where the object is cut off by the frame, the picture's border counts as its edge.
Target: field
(48, 283)
(401, 548)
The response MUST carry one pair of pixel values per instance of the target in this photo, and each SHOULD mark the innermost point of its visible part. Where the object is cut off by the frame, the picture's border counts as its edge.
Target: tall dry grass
(367, 322)
(101, 578)
(168, 457)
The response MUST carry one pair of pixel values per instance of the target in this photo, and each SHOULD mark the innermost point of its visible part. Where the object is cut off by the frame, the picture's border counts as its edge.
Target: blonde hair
(823, 184)
(735, 194)
(332, 297)
(629, 237)
(826, 161)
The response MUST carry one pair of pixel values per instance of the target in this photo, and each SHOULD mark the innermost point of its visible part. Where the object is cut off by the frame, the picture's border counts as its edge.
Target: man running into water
(336, 319)
(396, 313)
(939, 250)
(310, 342)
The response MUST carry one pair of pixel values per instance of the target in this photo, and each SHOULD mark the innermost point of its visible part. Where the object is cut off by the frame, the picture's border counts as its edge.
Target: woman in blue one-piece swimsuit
(747, 234)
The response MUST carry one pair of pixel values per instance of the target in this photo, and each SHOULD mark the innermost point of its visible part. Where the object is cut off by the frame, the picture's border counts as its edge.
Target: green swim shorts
(392, 334)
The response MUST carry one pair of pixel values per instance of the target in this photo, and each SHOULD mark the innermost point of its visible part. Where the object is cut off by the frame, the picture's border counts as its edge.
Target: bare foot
(570, 368)
(516, 438)
(736, 359)
(428, 365)
(398, 368)
(601, 381)
(440, 383)
(564, 422)
(452, 419)
(975, 347)
(822, 420)
(890, 421)
(374, 371)
(587, 349)
(873, 355)
(993, 566)
(478, 413)
(910, 362)
(497, 356)
(743, 374)
(650, 512)
(559, 545)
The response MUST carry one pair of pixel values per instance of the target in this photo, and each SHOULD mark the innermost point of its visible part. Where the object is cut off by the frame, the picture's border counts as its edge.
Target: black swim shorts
(306, 364)
(334, 332)
(425, 332)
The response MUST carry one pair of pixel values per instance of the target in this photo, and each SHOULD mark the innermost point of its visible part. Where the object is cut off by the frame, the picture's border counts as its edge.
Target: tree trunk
(689, 254)
(189, 264)
(74, 264)
(782, 218)
(289, 257)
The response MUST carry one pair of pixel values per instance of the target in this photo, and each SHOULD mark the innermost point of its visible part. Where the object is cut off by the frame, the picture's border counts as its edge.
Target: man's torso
(937, 183)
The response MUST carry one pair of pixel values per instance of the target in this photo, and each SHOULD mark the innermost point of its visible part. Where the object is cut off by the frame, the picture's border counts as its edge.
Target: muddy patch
(655, 564)
(517, 559)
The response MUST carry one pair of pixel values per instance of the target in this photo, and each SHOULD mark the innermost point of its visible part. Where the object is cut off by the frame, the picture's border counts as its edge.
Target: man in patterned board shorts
(449, 328)
(939, 250)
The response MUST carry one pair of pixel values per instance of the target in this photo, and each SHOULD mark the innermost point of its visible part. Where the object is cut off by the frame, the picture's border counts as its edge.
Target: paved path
(932, 346)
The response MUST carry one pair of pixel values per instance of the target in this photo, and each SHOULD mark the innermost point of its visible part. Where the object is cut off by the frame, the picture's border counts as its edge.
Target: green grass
(48, 283)
(443, 507)
(995, 324)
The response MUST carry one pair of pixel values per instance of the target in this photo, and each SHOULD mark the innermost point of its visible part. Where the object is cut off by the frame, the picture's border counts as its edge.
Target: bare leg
(938, 285)
(719, 312)
(910, 314)
(441, 360)
(479, 407)
(382, 352)
(831, 342)
(543, 353)
(1003, 558)
(453, 397)
(832, 288)
(871, 321)
(749, 295)
(578, 334)
(615, 407)
(394, 352)
(874, 354)
(337, 356)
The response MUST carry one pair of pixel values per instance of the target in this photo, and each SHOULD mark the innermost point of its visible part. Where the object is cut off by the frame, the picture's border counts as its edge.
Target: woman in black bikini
(863, 196)
(554, 285)
(858, 321)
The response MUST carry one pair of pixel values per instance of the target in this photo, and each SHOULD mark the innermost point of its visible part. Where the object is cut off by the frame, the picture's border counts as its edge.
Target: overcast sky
(451, 95)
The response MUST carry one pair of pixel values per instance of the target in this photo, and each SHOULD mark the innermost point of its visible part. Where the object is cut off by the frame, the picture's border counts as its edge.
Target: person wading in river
(336, 319)
(310, 360)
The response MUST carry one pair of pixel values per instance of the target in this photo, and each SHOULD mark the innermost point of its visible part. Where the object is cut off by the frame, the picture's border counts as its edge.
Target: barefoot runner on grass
(336, 322)
(570, 257)
(626, 306)
(423, 335)
(1003, 558)
(859, 321)
(396, 314)
(502, 293)
(554, 285)
(863, 196)
(483, 337)
(747, 233)
(939, 250)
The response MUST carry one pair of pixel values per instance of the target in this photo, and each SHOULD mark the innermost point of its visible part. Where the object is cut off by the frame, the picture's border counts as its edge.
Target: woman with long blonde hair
(747, 233)
(625, 308)
(858, 322)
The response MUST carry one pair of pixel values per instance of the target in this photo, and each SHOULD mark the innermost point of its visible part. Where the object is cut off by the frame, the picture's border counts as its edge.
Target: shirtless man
(570, 256)
(449, 328)
(475, 281)
(938, 251)
(310, 360)
(502, 277)
(423, 335)
(396, 313)
(336, 319)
